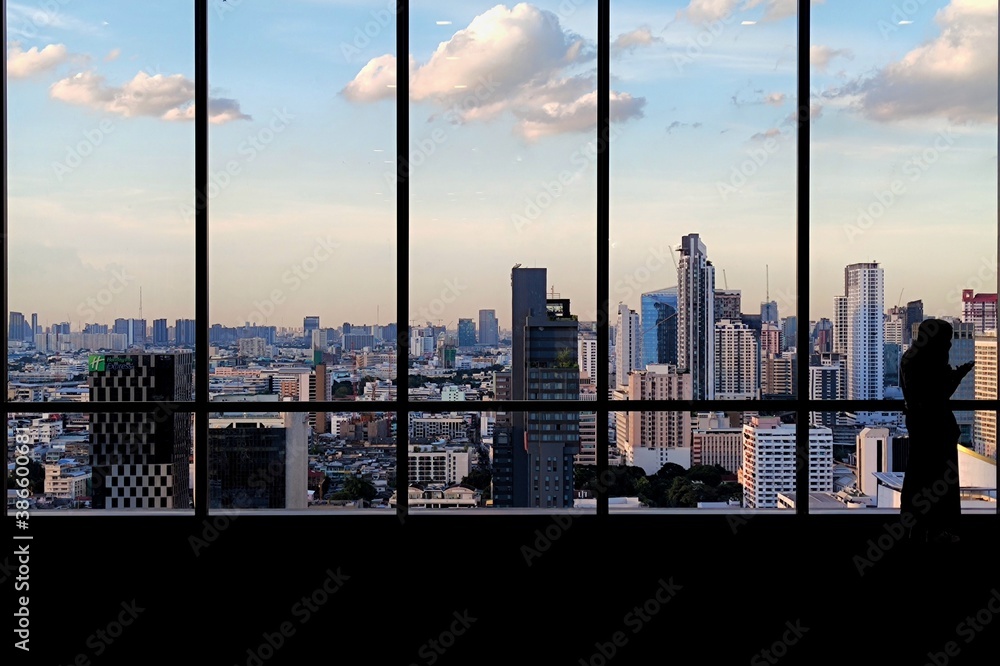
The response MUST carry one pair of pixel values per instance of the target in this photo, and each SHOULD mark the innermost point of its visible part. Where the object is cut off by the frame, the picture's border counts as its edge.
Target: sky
(502, 156)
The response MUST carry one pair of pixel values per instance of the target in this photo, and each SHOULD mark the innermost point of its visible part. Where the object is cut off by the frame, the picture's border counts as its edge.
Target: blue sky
(503, 167)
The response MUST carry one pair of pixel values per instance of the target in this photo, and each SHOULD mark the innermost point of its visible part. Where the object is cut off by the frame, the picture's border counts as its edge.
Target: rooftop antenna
(767, 283)
(140, 301)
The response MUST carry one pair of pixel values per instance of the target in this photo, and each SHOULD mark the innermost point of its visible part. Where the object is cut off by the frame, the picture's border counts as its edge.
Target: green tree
(356, 488)
(478, 478)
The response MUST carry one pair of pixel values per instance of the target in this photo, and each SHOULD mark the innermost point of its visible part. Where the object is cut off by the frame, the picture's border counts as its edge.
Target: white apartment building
(865, 334)
(769, 461)
(737, 362)
(434, 464)
(652, 439)
(627, 351)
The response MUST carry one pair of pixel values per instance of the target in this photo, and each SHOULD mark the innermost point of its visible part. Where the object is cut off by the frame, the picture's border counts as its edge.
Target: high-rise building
(535, 454)
(840, 325)
(16, 329)
(736, 362)
(979, 310)
(769, 461)
(728, 303)
(778, 375)
(627, 352)
(822, 336)
(140, 459)
(587, 353)
(895, 322)
(310, 323)
(160, 336)
(769, 312)
(258, 461)
(696, 316)
(659, 326)
(588, 439)
(466, 333)
(914, 315)
(864, 289)
(652, 439)
(770, 338)
(827, 381)
(489, 328)
(963, 350)
(184, 332)
(789, 331)
(984, 427)
(714, 441)
(34, 324)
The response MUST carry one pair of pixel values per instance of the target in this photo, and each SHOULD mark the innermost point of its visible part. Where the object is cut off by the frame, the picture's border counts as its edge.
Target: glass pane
(903, 193)
(100, 155)
(284, 460)
(703, 190)
(107, 462)
(502, 165)
(303, 201)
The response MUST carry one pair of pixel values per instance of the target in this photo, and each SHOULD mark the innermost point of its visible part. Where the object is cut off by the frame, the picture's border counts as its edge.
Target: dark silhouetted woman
(930, 492)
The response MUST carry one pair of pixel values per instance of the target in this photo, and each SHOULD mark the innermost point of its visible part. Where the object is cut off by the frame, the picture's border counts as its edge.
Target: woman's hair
(932, 342)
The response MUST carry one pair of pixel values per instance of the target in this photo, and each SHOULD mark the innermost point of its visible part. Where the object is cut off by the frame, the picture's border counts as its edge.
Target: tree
(36, 478)
(478, 478)
(356, 488)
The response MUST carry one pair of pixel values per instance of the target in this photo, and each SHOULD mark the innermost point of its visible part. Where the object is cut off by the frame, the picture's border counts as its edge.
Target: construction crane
(900, 297)
(725, 282)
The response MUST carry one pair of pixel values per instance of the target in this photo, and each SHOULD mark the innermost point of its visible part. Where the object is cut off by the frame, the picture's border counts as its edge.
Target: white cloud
(166, 97)
(22, 64)
(821, 56)
(629, 41)
(775, 99)
(508, 60)
(952, 76)
(112, 55)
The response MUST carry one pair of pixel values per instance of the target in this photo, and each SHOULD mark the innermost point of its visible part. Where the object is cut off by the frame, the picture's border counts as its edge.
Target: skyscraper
(840, 325)
(980, 310)
(536, 452)
(728, 303)
(627, 352)
(769, 312)
(140, 459)
(696, 316)
(864, 289)
(587, 354)
(489, 331)
(309, 324)
(652, 439)
(160, 332)
(659, 326)
(914, 315)
(984, 425)
(184, 332)
(16, 329)
(466, 333)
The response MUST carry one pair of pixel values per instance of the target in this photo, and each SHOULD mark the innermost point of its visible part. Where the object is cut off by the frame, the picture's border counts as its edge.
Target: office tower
(821, 338)
(140, 459)
(16, 329)
(736, 361)
(536, 452)
(587, 353)
(789, 331)
(627, 352)
(98, 329)
(61, 327)
(696, 316)
(310, 324)
(659, 326)
(864, 286)
(184, 332)
(728, 303)
(840, 325)
(34, 324)
(891, 355)
(984, 426)
(914, 315)
(447, 351)
(466, 333)
(258, 461)
(489, 328)
(769, 461)
(652, 439)
(160, 336)
(979, 310)
(769, 312)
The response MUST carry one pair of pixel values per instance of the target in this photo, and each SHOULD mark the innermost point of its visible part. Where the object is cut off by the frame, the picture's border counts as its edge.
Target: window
(567, 140)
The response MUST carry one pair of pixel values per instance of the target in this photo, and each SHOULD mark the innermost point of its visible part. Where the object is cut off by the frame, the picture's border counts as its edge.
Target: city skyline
(488, 152)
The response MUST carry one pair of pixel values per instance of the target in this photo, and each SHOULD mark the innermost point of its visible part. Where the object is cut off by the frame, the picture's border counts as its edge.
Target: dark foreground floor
(477, 589)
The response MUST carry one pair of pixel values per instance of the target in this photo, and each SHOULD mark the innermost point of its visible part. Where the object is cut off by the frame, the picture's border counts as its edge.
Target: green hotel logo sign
(95, 363)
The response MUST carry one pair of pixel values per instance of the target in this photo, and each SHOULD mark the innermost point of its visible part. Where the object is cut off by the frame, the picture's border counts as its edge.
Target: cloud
(767, 134)
(952, 76)
(820, 56)
(815, 113)
(166, 97)
(375, 81)
(713, 10)
(775, 99)
(679, 125)
(630, 41)
(23, 64)
(112, 55)
(513, 61)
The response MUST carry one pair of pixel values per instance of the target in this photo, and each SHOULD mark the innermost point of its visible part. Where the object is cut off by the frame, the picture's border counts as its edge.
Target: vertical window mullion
(201, 256)
(403, 256)
(802, 264)
(603, 244)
